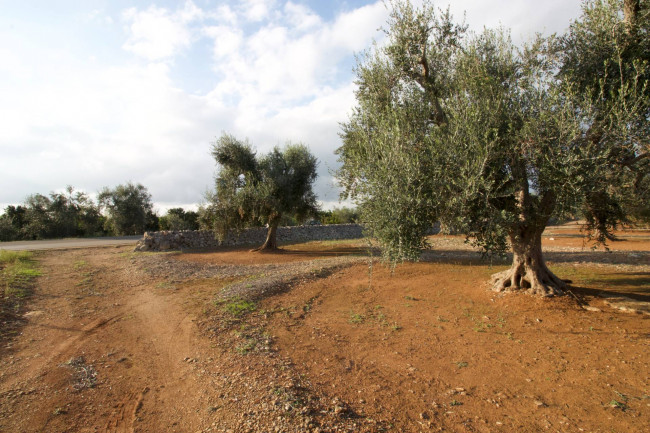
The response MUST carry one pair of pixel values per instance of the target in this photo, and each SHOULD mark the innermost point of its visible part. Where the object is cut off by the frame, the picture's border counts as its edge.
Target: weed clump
(238, 307)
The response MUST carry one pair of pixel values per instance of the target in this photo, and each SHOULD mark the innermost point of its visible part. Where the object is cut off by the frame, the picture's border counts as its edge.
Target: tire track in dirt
(82, 334)
(123, 419)
(159, 337)
(158, 388)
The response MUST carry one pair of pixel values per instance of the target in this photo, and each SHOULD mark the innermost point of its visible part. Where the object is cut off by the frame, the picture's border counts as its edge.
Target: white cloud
(278, 66)
(355, 29)
(90, 127)
(301, 17)
(158, 34)
(257, 10)
(99, 16)
(190, 12)
(522, 17)
(227, 40)
(225, 14)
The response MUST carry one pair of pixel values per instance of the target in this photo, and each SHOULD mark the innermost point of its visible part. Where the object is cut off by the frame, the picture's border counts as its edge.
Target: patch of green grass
(481, 326)
(79, 264)
(356, 318)
(8, 257)
(455, 403)
(238, 307)
(461, 364)
(618, 404)
(18, 270)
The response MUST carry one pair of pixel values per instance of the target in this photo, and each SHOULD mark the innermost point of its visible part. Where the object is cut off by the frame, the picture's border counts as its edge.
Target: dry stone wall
(191, 239)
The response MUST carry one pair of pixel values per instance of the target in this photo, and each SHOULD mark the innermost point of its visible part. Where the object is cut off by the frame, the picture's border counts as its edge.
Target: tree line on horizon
(126, 209)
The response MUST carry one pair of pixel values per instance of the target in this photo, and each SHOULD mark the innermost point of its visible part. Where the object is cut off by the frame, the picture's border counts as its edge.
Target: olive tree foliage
(129, 209)
(179, 219)
(471, 130)
(259, 190)
(388, 157)
(605, 56)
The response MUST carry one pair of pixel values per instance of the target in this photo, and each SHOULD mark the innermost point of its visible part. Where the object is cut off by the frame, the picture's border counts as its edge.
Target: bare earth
(317, 340)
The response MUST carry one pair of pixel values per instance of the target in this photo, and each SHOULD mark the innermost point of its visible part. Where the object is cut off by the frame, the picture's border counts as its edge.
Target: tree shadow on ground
(635, 285)
(331, 252)
(472, 257)
(288, 250)
(589, 292)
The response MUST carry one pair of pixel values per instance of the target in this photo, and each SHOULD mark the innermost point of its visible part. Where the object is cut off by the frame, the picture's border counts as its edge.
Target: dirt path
(104, 350)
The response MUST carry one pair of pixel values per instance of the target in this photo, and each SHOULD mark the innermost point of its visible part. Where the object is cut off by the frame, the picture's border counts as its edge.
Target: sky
(103, 92)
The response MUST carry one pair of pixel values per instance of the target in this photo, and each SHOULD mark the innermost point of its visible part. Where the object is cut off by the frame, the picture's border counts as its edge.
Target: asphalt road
(54, 244)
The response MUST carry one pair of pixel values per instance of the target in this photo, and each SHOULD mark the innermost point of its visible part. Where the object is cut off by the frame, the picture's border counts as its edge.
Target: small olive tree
(252, 190)
(490, 138)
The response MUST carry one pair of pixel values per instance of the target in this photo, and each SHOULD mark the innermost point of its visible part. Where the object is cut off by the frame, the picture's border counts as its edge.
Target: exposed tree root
(266, 249)
(538, 280)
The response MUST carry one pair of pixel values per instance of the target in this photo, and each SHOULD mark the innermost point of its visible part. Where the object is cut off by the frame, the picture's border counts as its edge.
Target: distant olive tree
(179, 219)
(11, 223)
(254, 190)
(342, 215)
(129, 209)
(74, 213)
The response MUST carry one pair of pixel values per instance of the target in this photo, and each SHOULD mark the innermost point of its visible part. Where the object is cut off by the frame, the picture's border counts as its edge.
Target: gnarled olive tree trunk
(271, 243)
(529, 271)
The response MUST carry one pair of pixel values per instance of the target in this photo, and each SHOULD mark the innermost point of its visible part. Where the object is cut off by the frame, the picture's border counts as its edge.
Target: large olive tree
(252, 189)
(473, 131)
